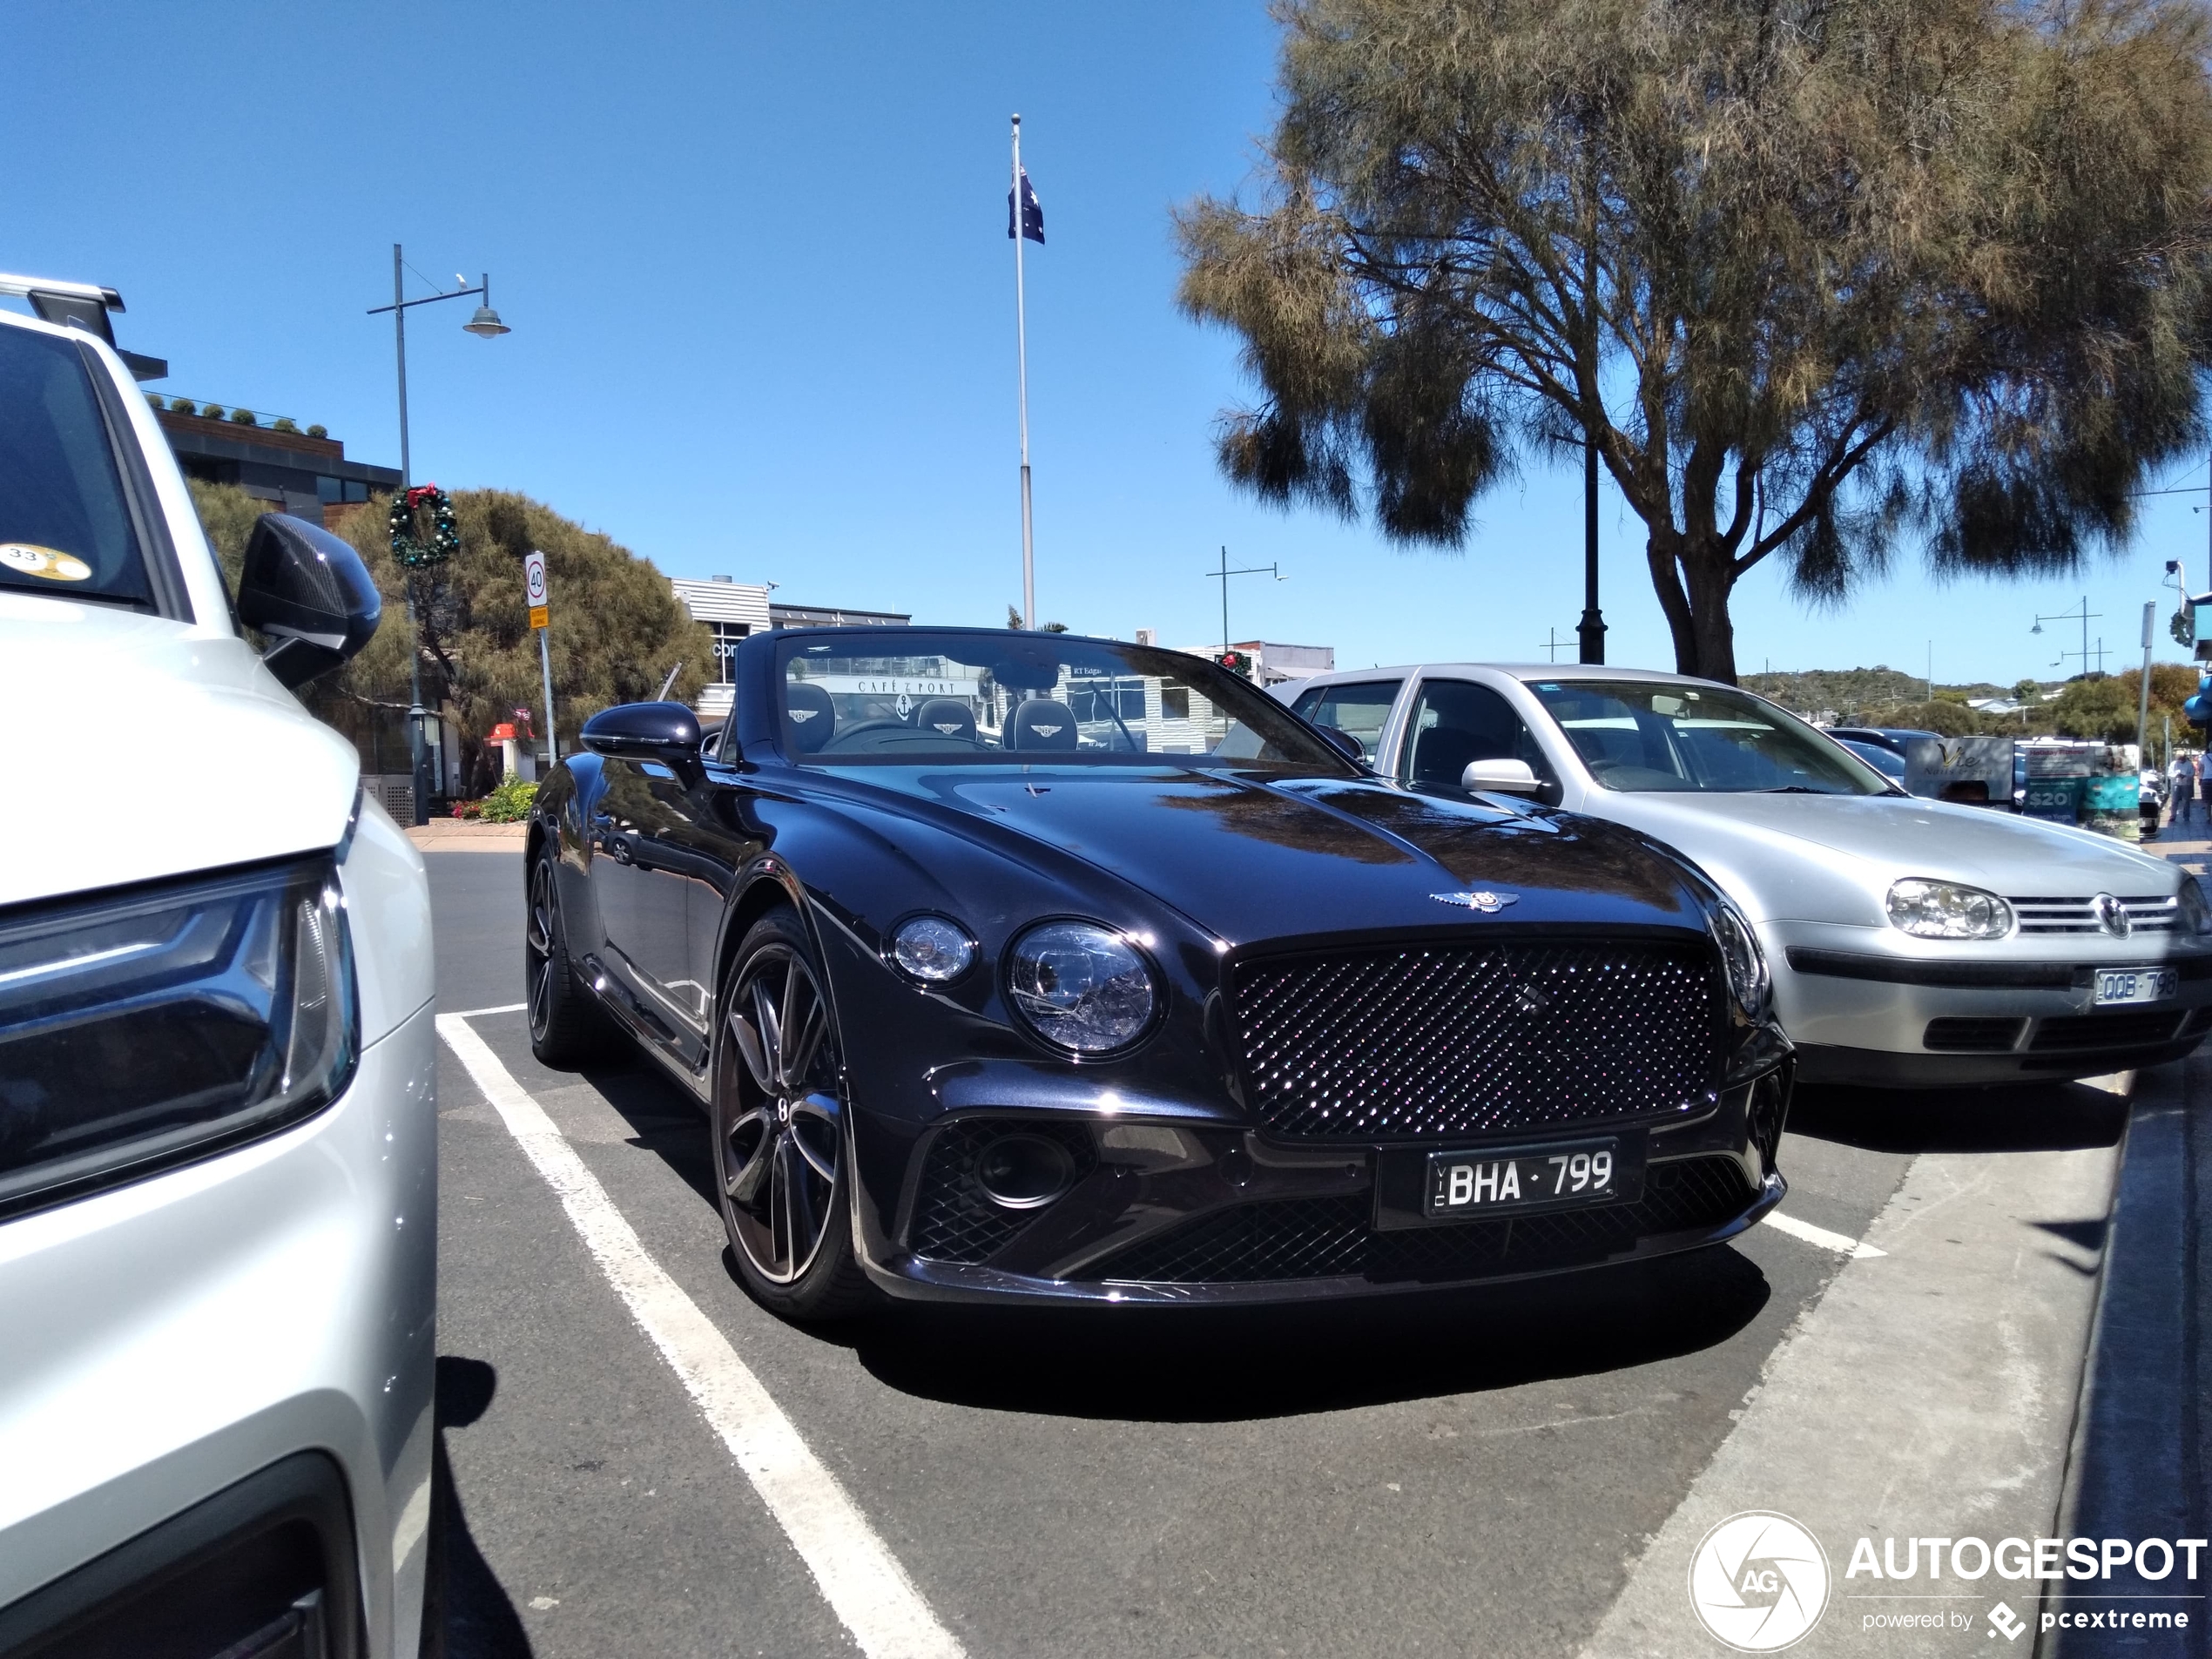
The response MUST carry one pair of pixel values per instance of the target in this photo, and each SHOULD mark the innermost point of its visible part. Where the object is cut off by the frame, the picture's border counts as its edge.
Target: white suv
(218, 1126)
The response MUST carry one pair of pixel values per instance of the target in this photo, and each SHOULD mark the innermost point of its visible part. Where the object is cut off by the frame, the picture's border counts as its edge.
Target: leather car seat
(947, 716)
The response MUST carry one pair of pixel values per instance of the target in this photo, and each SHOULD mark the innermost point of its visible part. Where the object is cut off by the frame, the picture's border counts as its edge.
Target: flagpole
(1021, 357)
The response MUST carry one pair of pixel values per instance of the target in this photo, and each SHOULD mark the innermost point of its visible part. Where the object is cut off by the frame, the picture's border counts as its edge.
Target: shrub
(243, 417)
(285, 423)
(183, 405)
(318, 431)
(510, 803)
(212, 411)
(156, 399)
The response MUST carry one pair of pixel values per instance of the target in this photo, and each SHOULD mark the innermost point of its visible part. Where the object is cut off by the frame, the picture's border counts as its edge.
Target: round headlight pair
(1947, 910)
(1080, 987)
(1748, 982)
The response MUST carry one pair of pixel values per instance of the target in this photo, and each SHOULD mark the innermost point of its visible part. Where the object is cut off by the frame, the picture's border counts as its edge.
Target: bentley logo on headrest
(1046, 731)
(945, 726)
(803, 714)
(1489, 903)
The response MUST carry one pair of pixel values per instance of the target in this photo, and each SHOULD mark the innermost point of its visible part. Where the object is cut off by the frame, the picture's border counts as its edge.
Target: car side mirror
(1500, 778)
(310, 593)
(1338, 737)
(667, 732)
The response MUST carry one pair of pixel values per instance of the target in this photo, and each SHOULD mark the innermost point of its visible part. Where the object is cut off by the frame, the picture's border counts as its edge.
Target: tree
(617, 631)
(1810, 274)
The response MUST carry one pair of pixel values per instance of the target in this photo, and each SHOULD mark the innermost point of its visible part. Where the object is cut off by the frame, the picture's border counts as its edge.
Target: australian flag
(1032, 212)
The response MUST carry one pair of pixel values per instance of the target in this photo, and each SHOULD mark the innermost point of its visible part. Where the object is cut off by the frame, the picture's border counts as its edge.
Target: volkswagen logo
(1489, 903)
(2111, 914)
(1758, 1581)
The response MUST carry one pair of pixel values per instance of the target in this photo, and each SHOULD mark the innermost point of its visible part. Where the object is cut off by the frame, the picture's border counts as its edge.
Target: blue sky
(754, 257)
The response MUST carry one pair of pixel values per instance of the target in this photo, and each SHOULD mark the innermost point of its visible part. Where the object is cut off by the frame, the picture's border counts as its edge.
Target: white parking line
(471, 1014)
(859, 1577)
(1820, 1236)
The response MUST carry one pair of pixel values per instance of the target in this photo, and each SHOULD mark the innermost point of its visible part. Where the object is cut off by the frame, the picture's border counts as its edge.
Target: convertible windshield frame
(928, 697)
(1672, 737)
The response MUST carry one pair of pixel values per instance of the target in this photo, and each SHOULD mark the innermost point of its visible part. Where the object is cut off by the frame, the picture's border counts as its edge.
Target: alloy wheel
(780, 1125)
(540, 938)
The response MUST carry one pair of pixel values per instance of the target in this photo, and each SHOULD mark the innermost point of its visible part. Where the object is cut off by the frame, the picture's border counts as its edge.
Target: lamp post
(485, 325)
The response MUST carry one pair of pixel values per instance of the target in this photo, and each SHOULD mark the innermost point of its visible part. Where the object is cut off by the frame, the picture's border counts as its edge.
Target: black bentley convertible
(1017, 965)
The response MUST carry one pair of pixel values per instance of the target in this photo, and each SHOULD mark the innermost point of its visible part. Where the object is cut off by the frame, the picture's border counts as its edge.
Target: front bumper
(169, 1338)
(1861, 1010)
(1178, 1212)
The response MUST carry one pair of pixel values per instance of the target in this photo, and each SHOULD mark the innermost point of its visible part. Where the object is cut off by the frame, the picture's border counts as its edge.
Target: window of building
(727, 636)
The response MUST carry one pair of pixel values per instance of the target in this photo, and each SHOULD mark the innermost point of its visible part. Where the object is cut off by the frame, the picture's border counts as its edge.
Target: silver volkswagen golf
(1914, 943)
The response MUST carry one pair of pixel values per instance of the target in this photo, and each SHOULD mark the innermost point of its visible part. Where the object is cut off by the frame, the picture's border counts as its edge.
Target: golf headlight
(1080, 987)
(1945, 910)
(2196, 914)
(1743, 959)
(142, 1032)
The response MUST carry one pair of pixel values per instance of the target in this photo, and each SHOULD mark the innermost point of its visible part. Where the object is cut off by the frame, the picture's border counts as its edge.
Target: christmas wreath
(409, 549)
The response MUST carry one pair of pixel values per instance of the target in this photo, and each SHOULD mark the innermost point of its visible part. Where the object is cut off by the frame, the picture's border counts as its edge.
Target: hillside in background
(1856, 694)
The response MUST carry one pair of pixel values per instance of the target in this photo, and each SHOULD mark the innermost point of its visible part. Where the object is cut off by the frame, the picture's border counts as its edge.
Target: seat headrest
(947, 716)
(1043, 723)
(810, 719)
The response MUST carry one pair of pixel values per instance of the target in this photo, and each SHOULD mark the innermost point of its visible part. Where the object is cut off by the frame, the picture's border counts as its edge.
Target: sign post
(533, 591)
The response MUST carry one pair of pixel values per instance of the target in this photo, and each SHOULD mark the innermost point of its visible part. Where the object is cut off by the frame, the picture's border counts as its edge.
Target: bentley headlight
(931, 950)
(1080, 987)
(1946, 910)
(1743, 959)
(139, 1033)
(2196, 914)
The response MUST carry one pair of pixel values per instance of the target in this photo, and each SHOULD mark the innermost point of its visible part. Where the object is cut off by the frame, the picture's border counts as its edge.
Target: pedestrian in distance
(2183, 776)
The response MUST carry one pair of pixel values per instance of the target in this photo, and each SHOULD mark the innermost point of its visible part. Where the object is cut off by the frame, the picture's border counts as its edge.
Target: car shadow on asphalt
(1224, 1364)
(2026, 1117)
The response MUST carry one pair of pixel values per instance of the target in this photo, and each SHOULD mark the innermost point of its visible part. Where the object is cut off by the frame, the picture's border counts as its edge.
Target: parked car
(1914, 943)
(1886, 760)
(1017, 966)
(1892, 737)
(217, 1193)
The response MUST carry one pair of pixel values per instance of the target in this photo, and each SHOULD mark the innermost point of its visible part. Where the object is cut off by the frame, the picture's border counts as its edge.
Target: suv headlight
(1945, 910)
(1745, 962)
(2196, 914)
(142, 1032)
(1080, 987)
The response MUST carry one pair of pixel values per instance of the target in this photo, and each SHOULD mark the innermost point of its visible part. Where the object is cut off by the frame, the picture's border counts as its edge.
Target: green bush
(212, 411)
(243, 417)
(510, 803)
(318, 431)
(285, 423)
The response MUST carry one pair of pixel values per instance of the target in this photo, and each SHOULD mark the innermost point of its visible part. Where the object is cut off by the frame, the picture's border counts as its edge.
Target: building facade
(733, 609)
(308, 478)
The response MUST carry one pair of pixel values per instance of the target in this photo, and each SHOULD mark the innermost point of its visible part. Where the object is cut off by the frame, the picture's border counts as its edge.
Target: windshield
(64, 526)
(1023, 699)
(1656, 736)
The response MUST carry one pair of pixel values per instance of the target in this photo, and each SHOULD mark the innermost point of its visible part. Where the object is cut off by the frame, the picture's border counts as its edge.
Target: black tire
(568, 1027)
(782, 1148)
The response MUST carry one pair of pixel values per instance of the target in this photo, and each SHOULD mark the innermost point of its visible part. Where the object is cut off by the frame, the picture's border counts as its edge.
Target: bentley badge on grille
(1489, 903)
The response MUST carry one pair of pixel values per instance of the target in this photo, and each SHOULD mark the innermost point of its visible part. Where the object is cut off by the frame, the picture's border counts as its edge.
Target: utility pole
(1222, 575)
(2142, 695)
(1022, 358)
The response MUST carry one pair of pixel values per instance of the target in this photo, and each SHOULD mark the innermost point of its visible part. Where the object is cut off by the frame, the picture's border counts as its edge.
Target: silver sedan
(1913, 943)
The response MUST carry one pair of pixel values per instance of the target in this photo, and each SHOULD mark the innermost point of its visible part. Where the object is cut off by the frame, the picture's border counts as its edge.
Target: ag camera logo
(1758, 1581)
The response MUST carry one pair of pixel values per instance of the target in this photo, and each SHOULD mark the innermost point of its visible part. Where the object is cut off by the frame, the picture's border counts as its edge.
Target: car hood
(1249, 859)
(140, 748)
(1831, 857)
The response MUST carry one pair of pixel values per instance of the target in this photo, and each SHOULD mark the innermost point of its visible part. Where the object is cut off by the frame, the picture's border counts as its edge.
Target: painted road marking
(859, 1577)
(1820, 1236)
(473, 1014)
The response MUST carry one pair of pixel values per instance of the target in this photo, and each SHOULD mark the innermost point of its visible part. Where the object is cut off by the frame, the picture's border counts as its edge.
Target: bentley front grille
(1432, 1041)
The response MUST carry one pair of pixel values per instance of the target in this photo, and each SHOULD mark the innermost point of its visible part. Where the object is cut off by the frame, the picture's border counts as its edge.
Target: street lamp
(485, 325)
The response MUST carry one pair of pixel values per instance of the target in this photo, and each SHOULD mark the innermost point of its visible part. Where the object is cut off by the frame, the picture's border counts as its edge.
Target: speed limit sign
(534, 586)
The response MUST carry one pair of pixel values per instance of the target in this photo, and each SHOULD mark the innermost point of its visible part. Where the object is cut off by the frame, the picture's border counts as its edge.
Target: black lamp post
(485, 325)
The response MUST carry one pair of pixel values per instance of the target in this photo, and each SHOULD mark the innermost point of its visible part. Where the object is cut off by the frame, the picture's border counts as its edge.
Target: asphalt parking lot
(1440, 1474)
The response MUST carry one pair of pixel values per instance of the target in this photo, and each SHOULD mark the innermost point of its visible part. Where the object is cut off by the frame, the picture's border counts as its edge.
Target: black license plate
(1415, 1187)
